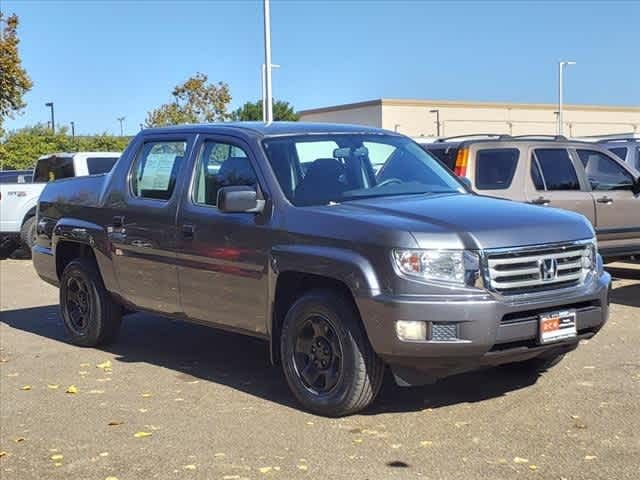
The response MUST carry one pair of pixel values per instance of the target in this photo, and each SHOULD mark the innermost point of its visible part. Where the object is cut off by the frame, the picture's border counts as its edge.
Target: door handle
(606, 200)
(118, 221)
(541, 201)
(187, 231)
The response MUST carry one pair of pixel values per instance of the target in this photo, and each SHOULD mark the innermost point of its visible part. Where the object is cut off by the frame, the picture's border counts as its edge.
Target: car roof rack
(540, 137)
(472, 136)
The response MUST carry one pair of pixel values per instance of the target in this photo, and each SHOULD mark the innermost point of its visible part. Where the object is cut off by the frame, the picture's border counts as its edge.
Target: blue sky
(98, 60)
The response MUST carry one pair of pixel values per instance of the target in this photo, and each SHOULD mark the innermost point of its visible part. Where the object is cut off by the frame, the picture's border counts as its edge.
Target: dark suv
(347, 248)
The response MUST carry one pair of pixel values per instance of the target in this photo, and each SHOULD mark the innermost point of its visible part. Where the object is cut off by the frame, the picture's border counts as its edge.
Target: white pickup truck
(18, 200)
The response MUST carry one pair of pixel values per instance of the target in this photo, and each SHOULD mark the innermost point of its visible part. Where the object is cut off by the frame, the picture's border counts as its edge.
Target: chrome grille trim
(520, 270)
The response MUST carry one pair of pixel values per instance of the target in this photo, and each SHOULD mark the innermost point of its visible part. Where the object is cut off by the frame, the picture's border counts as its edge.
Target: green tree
(21, 148)
(195, 101)
(282, 111)
(14, 81)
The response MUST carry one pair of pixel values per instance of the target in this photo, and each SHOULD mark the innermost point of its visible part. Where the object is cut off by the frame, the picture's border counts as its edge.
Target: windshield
(320, 169)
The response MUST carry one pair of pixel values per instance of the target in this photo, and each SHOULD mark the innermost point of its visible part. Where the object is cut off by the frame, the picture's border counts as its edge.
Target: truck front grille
(526, 270)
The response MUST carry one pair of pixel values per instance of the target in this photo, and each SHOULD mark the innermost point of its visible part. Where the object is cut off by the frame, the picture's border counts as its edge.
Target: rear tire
(327, 359)
(28, 235)
(89, 314)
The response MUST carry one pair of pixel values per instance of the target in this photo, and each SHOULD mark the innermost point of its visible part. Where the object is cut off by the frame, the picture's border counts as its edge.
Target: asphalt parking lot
(179, 401)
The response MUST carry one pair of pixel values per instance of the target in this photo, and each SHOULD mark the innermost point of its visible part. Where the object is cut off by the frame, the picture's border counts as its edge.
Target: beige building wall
(412, 117)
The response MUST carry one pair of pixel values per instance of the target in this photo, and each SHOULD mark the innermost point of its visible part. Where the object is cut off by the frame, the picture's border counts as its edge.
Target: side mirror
(467, 183)
(239, 199)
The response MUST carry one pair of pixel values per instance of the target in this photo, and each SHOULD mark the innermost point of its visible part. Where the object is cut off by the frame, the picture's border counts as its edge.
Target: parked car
(18, 200)
(343, 271)
(554, 172)
(16, 176)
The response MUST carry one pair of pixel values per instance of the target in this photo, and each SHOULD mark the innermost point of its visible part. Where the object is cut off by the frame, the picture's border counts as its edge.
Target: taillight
(462, 160)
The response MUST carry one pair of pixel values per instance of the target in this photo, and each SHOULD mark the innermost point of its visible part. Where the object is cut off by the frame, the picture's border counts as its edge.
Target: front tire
(89, 314)
(327, 359)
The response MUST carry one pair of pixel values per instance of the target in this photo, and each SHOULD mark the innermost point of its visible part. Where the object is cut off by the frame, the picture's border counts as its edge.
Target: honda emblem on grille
(548, 269)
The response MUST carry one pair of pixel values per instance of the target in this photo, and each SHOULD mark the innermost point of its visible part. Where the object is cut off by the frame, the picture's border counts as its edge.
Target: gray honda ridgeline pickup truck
(347, 248)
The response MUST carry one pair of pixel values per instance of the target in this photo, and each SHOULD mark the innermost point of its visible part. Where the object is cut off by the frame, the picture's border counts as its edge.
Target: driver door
(613, 188)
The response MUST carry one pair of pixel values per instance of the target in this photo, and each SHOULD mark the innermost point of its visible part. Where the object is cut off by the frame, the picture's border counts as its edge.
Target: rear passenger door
(142, 224)
(222, 257)
(617, 205)
(556, 183)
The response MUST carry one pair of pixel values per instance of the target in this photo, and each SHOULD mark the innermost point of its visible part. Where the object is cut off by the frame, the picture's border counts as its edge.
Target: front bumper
(491, 329)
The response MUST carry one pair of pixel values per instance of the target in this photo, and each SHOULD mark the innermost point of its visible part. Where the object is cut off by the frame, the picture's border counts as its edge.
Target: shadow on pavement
(241, 362)
(625, 294)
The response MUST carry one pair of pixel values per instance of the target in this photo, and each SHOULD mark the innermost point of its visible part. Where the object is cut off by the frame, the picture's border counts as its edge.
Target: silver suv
(553, 171)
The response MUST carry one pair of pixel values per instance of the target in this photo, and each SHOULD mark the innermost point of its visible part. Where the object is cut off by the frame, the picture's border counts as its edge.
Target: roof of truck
(272, 129)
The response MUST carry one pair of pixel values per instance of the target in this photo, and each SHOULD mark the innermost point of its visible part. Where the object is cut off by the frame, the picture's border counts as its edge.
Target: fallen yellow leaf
(590, 457)
(426, 443)
(264, 469)
(83, 372)
(57, 457)
(85, 365)
(104, 365)
(52, 386)
(19, 439)
(143, 410)
(142, 434)
(219, 454)
(189, 467)
(25, 387)
(520, 460)
(146, 395)
(357, 440)
(72, 389)
(3, 453)
(104, 454)
(57, 464)
(533, 467)
(396, 445)
(303, 468)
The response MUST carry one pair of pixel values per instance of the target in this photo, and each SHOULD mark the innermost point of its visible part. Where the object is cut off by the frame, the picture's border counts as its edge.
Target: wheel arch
(296, 270)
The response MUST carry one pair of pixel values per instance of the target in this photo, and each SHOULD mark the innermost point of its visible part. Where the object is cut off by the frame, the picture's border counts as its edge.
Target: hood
(467, 221)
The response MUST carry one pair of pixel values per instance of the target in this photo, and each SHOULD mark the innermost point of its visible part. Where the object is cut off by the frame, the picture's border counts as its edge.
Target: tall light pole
(121, 120)
(267, 62)
(437, 112)
(73, 130)
(53, 121)
(264, 91)
(561, 66)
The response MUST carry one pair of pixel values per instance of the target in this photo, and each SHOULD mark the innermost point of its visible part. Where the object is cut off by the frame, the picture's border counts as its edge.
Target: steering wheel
(389, 181)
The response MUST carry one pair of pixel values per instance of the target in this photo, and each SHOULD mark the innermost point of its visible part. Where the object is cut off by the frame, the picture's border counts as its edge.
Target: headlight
(589, 258)
(459, 267)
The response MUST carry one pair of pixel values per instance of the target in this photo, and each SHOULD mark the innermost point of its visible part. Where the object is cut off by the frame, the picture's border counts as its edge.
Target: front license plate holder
(557, 326)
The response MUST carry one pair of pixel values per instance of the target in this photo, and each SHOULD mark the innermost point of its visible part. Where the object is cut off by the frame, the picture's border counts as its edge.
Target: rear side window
(495, 168)
(97, 165)
(556, 169)
(445, 155)
(53, 168)
(156, 169)
(620, 152)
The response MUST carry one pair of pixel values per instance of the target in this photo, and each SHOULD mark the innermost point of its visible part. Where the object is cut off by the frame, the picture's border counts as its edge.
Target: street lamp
(121, 119)
(437, 112)
(267, 97)
(264, 91)
(53, 122)
(73, 130)
(561, 66)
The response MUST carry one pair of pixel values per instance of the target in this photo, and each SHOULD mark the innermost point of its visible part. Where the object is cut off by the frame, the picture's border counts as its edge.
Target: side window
(156, 169)
(620, 152)
(604, 173)
(556, 169)
(97, 165)
(221, 165)
(495, 168)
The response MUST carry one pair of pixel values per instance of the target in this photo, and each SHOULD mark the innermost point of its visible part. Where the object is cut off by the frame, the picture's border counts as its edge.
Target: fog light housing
(411, 330)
